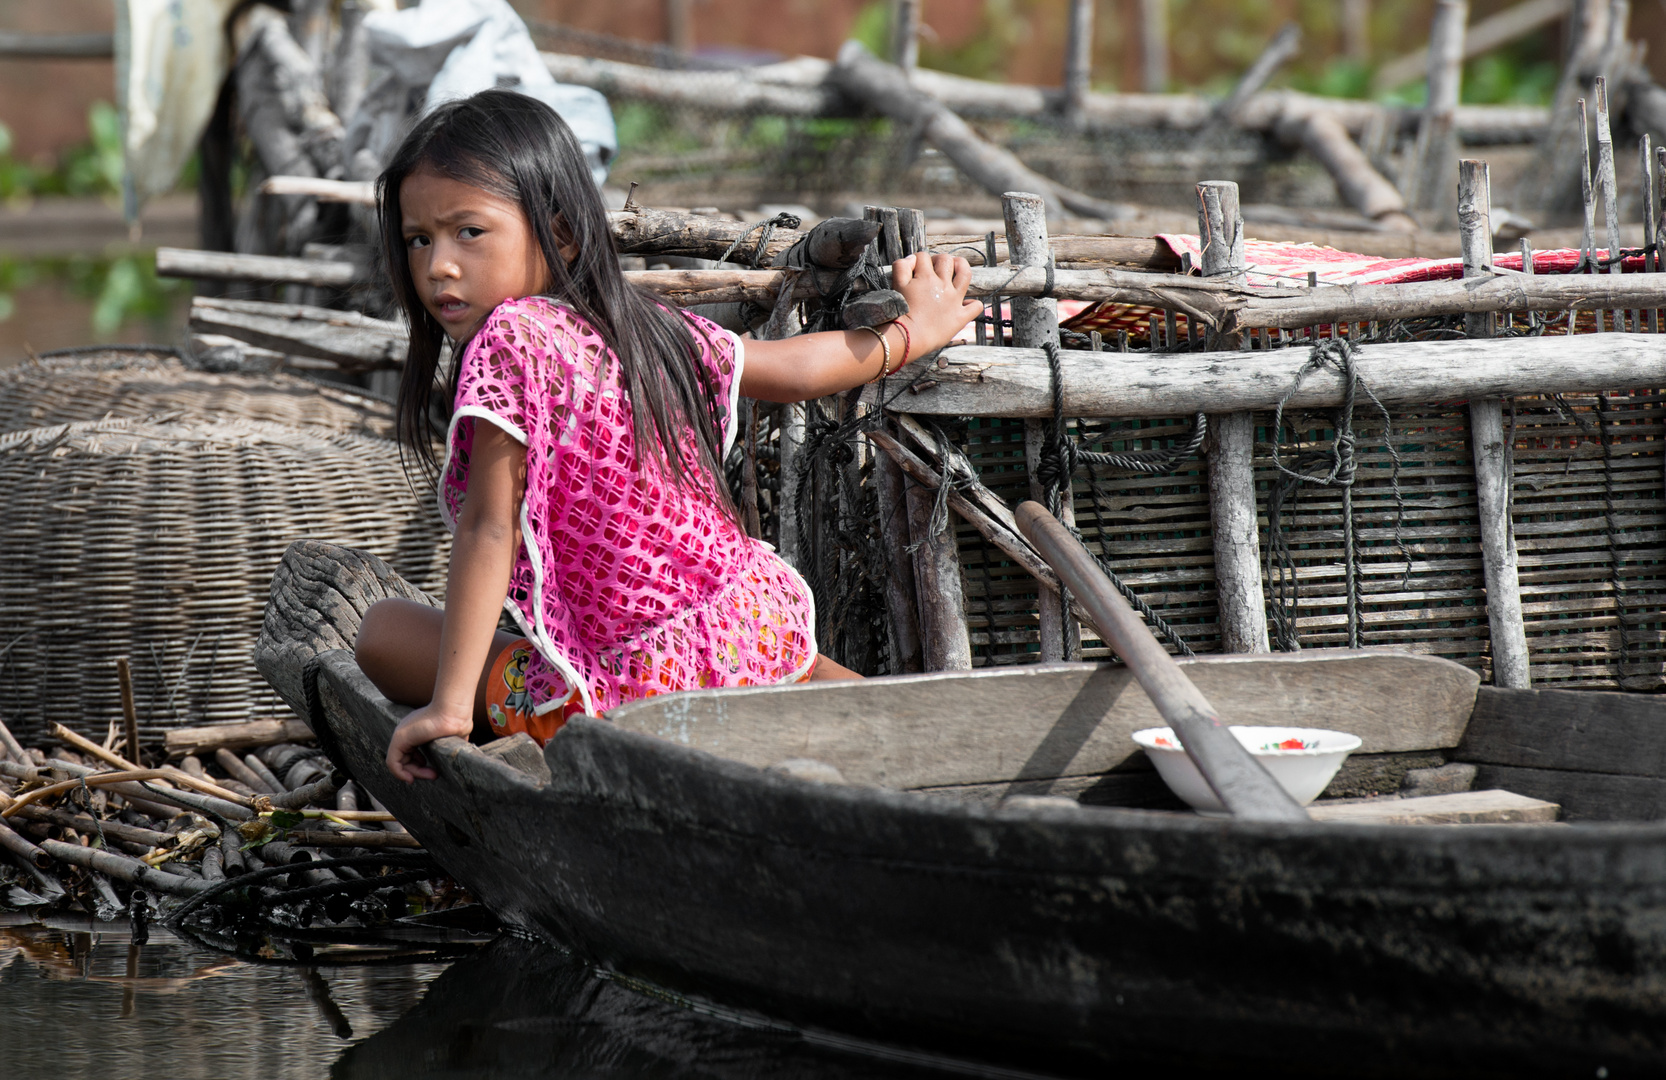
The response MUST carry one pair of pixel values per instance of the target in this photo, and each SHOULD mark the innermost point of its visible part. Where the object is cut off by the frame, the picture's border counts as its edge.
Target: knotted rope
(1342, 460)
(766, 230)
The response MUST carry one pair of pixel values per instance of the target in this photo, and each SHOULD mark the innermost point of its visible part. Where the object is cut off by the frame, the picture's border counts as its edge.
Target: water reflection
(82, 999)
(521, 1010)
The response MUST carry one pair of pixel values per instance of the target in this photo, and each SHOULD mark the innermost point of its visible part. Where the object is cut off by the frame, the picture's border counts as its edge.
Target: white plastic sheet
(171, 56)
(449, 49)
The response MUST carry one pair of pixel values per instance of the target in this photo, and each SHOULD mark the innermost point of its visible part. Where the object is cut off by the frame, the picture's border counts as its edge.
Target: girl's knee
(385, 633)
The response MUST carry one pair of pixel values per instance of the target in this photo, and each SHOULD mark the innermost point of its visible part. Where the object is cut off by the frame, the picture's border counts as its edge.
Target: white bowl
(1303, 771)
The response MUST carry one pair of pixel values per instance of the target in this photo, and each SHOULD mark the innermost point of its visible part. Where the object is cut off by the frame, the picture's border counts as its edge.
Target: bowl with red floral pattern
(1302, 760)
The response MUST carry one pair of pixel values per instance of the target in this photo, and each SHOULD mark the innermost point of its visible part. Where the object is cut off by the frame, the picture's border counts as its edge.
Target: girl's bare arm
(482, 557)
(815, 365)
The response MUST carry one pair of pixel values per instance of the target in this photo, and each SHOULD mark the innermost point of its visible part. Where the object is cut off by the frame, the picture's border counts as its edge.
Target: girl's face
(468, 250)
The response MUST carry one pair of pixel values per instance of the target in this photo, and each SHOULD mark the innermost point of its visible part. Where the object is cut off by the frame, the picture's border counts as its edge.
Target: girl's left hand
(935, 288)
(420, 727)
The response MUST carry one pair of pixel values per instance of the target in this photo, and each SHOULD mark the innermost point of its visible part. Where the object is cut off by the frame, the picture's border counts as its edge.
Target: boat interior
(1438, 748)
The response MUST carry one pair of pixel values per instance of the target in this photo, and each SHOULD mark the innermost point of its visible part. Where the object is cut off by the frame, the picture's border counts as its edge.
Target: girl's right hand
(420, 727)
(935, 288)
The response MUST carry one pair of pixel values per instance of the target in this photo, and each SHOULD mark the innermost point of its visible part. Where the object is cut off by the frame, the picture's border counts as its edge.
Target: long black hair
(519, 149)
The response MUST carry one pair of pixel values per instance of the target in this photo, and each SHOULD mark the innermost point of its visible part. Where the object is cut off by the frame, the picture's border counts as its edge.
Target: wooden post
(1609, 186)
(1078, 60)
(1430, 164)
(679, 25)
(945, 644)
(901, 594)
(1651, 215)
(1035, 322)
(1356, 30)
(905, 34)
(1231, 445)
(1492, 453)
(349, 75)
(130, 715)
(1154, 46)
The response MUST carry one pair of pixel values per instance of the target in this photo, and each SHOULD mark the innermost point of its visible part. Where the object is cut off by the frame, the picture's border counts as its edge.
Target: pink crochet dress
(627, 584)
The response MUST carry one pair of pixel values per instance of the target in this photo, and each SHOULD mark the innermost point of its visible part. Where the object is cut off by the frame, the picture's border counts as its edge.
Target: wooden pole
(1078, 60)
(1243, 784)
(945, 644)
(1609, 186)
(1426, 172)
(1284, 45)
(1035, 322)
(349, 75)
(130, 716)
(1356, 30)
(905, 34)
(1231, 446)
(902, 603)
(679, 25)
(1492, 452)
(1154, 46)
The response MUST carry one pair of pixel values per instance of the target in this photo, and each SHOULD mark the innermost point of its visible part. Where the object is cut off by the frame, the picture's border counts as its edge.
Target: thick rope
(766, 231)
(1341, 458)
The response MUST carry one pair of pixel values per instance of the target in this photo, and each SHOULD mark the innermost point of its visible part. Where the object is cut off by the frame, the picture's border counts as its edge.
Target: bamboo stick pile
(251, 829)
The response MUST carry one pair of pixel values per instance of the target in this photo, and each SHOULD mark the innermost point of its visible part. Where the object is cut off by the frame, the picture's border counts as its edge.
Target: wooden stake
(1430, 164)
(1491, 452)
(1231, 446)
(1610, 189)
(679, 25)
(905, 34)
(1078, 60)
(130, 716)
(1154, 46)
(945, 644)
(1035, 322)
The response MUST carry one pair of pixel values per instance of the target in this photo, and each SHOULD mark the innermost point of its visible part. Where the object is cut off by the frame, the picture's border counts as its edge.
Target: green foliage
(1501, 78)
(121, 288)
(90, 168)
(1339, 79)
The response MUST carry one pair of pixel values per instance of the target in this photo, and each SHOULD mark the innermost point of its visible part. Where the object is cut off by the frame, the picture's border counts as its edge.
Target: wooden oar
(1244, 786)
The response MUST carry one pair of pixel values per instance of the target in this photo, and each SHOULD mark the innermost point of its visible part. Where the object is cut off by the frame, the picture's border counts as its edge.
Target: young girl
(582, 475)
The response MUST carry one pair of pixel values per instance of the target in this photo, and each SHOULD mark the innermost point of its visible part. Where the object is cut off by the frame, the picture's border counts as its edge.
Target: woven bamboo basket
(158, 542)
(136, 385)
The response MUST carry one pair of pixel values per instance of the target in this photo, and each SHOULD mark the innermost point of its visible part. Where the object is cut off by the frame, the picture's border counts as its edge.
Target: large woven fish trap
(1588, 509)
(158, 542)
(123, 383)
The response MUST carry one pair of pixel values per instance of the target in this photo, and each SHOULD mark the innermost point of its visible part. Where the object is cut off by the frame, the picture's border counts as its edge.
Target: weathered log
(1229, 308)
(228, 266)
(1035, 324)
(1010, 382)
(16, 844)
(1285, 44)
(945, 644)
(800, 87)
(354, 342)
(319, 793)
(122, 868)
(1359, 183)
(885, 88)
(115, 830)
(244, 736)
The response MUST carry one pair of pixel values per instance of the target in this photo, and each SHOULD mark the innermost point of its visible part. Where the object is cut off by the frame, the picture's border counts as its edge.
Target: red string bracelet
(907, 343)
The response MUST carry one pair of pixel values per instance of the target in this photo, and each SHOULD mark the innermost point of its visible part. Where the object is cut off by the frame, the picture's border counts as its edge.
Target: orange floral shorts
(509, 702)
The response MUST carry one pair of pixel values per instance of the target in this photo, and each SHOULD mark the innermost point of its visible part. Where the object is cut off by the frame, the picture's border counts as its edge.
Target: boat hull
(1063, 937)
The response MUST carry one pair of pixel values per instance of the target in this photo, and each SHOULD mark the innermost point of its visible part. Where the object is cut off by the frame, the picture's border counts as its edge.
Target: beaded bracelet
(885, 367)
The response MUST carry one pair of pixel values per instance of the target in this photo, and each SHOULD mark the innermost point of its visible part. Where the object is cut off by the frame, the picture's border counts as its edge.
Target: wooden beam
(228, 266)
(18, 46)
(1013, 382)
(351, 340)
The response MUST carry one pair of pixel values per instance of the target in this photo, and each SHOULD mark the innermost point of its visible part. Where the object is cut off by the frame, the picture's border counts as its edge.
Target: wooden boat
(915, 860)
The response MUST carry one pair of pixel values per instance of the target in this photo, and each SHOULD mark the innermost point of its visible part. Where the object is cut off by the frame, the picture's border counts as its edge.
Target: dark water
(79, 999)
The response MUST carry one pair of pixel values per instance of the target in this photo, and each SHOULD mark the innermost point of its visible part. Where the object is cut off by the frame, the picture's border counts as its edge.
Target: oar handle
(1244, 786)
